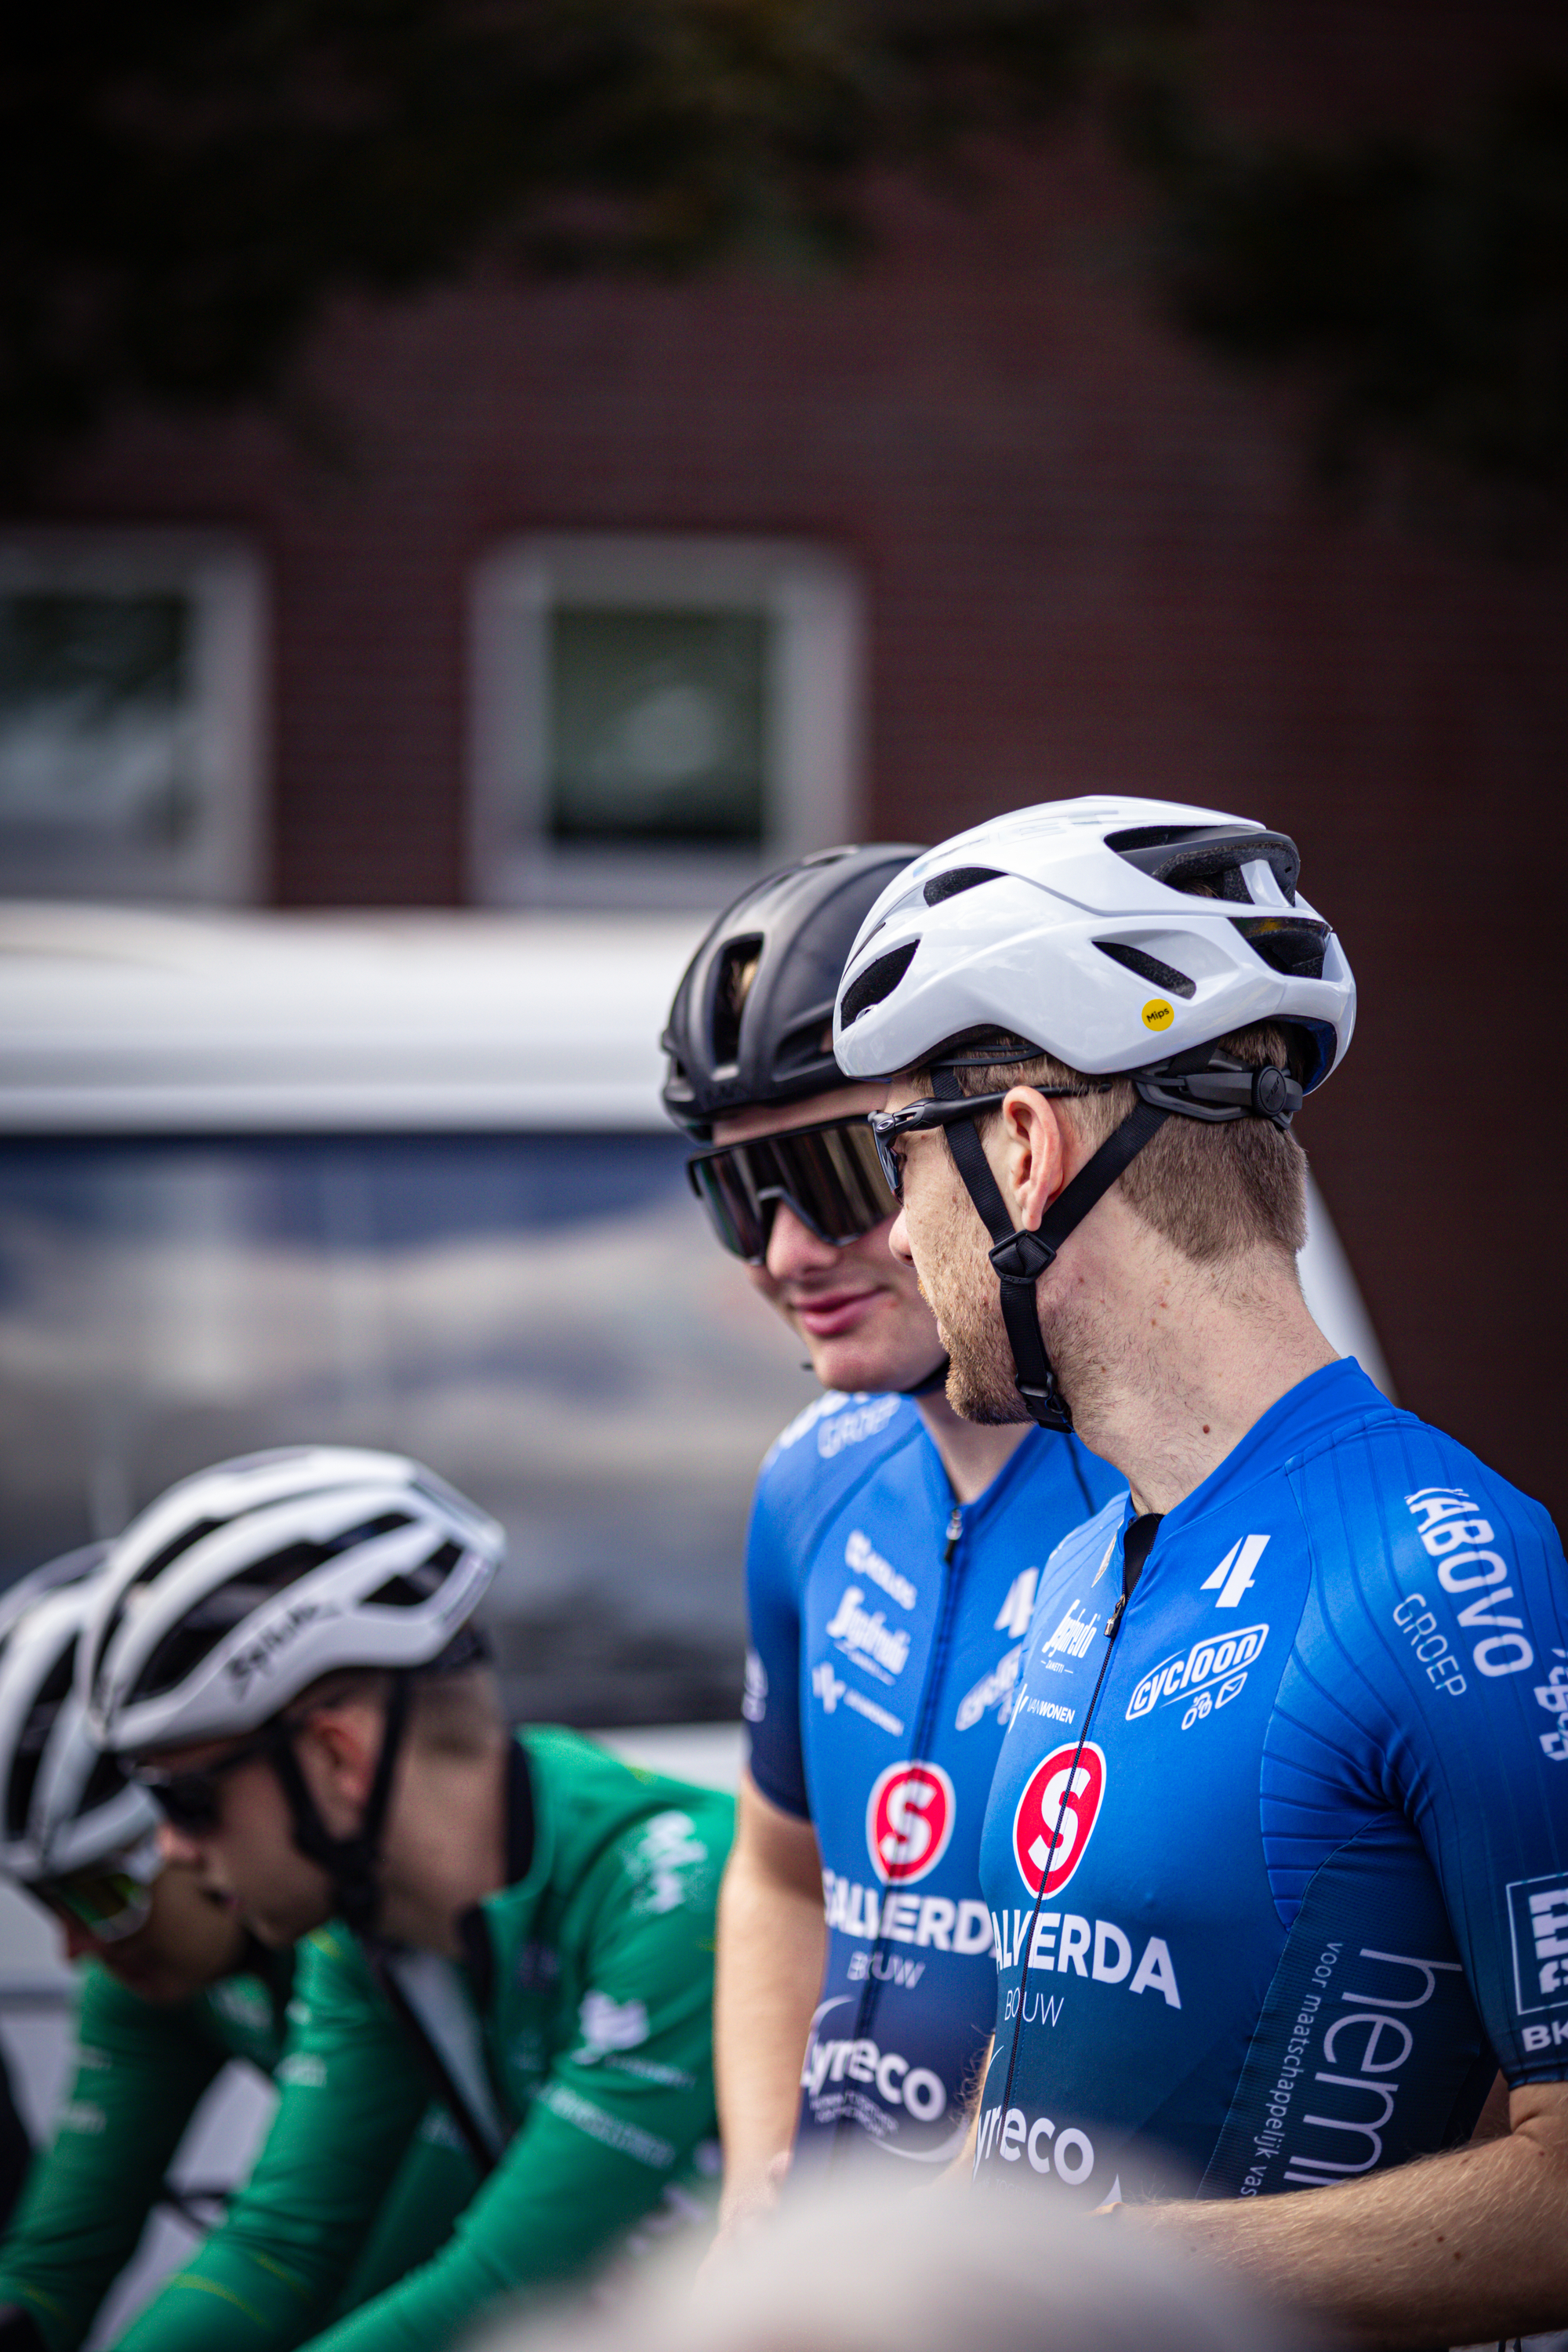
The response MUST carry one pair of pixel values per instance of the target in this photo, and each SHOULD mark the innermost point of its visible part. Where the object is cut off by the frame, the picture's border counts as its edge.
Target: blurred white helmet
(65, 1805)
(246, 1583)
(1114, 933)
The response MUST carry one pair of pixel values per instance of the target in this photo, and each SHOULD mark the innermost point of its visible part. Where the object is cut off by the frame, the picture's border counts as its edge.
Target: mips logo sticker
(1158, 1014)
(1056, 1814)
(909, 1822)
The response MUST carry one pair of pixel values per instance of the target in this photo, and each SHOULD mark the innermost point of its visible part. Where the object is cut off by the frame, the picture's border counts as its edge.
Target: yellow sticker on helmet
(1157, 1013)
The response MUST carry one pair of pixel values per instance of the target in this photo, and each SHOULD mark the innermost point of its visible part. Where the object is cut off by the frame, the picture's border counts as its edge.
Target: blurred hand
(742, 2209)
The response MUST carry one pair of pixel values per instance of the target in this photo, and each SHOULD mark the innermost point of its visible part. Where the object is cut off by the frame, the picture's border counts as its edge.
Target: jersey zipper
(1112, 1627)
(925, 1724)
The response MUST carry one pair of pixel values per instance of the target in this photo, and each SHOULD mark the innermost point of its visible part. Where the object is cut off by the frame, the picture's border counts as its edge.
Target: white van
(403, 1180)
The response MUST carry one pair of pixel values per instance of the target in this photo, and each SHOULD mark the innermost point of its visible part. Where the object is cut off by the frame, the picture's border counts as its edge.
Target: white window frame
(223, 864)
(813, 757)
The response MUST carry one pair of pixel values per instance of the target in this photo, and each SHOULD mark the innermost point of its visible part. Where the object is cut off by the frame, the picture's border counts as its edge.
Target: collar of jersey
(989, 1497)
(530, 1844)
(270, 1967)
(1326, 1398)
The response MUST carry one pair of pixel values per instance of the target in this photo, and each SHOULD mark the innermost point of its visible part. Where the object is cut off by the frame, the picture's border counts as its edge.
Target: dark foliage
(182, 186)
(1420, 291)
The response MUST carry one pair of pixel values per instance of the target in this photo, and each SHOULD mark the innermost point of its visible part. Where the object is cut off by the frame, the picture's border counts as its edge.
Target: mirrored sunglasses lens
(107, 1904)
(833, 1175)
(888, 1167)
(732, 1205)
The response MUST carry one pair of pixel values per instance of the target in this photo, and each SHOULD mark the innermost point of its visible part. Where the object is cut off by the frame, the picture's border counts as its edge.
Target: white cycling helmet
(244, 1585)
(65, 1805)
(1115, 934)
(249, 1582)
(1127, 938)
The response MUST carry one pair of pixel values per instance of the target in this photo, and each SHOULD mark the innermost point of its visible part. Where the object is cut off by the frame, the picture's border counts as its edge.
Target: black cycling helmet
(752, 1018)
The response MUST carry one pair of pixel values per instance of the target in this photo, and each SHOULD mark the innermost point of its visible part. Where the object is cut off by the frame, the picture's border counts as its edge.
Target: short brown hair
(1213, 1189)
(452, 1714)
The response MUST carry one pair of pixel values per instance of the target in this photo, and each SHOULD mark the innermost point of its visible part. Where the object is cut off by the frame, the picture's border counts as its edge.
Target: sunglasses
(192, 1801)
(108, 1904)
(832, 1178)
(887, 1126)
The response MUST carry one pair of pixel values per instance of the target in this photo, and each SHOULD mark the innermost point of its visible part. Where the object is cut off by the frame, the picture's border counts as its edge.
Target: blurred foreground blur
(863, 2267)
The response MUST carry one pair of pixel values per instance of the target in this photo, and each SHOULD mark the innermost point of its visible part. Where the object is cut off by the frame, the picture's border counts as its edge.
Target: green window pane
(96, 720)
(658, 726)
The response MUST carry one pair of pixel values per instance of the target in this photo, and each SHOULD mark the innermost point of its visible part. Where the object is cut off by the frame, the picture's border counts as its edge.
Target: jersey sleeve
(609, 2130)
(1448, 1607)
(436, 2180)
(772, 1701)
(352, 2095)
(141, 2072)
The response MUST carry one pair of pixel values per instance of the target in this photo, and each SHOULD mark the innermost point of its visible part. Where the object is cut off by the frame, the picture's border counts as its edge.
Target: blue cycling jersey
(1302, 1821)
(887, 1625)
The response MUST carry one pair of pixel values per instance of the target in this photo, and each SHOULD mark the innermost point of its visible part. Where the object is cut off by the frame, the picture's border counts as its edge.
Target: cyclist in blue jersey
(1278, 1849)
(893, 1553)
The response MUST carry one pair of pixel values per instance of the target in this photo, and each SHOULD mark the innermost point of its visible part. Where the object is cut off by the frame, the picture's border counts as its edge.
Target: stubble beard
(983, 1380)
(961, 1286)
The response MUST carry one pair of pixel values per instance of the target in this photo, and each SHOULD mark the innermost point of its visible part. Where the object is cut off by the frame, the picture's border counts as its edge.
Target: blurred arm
(141, 2074)
(771, 1945)
(1462, 2248)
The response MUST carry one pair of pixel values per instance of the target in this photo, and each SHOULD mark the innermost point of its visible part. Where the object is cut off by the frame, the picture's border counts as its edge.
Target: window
(129, 711)
(658, 721)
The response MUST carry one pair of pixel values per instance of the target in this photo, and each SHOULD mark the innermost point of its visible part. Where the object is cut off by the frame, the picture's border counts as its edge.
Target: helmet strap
(1021, 1256)
(353, 1863)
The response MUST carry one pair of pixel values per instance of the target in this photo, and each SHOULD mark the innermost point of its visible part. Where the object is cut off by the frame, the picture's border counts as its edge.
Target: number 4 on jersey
(1235, 1570)
(1018, 1607)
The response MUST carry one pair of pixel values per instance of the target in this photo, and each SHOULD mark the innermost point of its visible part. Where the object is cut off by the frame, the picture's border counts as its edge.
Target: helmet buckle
(1022, 1257)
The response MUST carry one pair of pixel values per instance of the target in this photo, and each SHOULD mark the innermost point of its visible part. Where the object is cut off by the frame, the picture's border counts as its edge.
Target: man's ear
(1035, 1147)
(347, 1742)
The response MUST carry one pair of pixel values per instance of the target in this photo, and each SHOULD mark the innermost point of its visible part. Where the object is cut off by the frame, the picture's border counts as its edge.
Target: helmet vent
(417, 1585)
(737, 969)
(803, 1046)
(959, 877)
(105, 1783)
(1295, 947)
(186, 1540)
(1205, 861)
(1148, 967)
(876, 982)
(183, 1647)
(23, 1777)
(52, 1694)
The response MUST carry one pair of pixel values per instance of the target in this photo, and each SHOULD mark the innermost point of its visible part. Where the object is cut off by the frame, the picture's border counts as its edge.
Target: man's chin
(981, 1396)
(855, 1369)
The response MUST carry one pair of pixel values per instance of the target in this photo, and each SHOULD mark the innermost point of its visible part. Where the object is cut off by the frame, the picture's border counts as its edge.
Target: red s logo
(1056, 1814)
(909, 1822)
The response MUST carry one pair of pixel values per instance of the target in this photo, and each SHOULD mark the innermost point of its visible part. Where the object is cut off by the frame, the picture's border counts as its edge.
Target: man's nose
(793, 1248)
(178, 1845)
(898, 1240)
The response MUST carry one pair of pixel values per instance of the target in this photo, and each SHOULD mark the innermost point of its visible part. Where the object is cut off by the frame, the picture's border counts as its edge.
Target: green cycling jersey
(578, 2025)
(141, 2072)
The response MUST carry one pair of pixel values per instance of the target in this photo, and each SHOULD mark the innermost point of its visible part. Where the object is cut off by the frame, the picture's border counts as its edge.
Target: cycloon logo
(1056, 1814)
(909, 1822)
